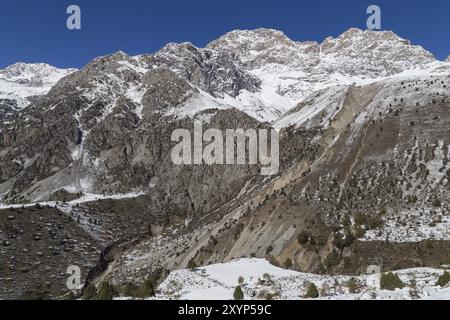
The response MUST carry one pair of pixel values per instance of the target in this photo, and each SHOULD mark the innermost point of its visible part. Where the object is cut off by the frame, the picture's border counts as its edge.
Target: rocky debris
(37, 248)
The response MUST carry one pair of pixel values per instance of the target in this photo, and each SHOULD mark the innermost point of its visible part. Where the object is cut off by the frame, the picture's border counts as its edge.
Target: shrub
(238, 294)
(105, 291)
(390, 281)
(436, 203)
(268, 296)
(241, 280)
(192, 265)
(359, 232)
(69, 296)
(146, 290)
(360, 219)
(288, 263)
(444, 279)
(303, 238)
(269, 249)
(312, 291)
(320, 268)
(353, 285)
(129, 289)
(332, 260)
(343, 241)
(89, 292)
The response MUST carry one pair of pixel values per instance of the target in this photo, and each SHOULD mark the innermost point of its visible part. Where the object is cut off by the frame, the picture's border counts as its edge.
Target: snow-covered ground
(261, 280)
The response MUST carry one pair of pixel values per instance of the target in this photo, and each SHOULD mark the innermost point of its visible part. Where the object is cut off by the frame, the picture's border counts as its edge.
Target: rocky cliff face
(364, 152)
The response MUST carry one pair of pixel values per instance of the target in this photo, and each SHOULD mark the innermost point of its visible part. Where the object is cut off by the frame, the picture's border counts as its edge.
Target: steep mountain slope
(369, 185)
(364, 153)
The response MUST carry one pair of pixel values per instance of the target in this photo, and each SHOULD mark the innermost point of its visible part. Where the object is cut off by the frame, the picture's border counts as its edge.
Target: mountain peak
(260, 32)
(256, 39)
(372, 47)
(355, 36)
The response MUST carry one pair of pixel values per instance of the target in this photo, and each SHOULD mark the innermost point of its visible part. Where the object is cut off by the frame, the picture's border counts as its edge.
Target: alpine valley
(86, 176)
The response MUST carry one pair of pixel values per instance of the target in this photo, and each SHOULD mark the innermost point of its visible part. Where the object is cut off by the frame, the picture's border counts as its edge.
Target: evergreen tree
(129, 289)
(192, 265)
(444, 279)
(238, 294)
(147, 289)
(89, 292)
(312, 291)
(105, 291)
(288, 263)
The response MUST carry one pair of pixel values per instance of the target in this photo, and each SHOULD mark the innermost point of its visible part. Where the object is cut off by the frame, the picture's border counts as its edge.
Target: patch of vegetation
(303, 238)
(436, 203)
(288, 263)
(69, 296)
(353, 285)
(89, 292)
(147, 289)
(444, 279)
(332, 260)
(128, 289)
(320, 268)
(106, 291)
(391, 281)
(344, 241)
(269, 296)
(238, 294)
(192, 265)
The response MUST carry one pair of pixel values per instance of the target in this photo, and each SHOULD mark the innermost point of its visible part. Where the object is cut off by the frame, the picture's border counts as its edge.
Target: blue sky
(35, 31)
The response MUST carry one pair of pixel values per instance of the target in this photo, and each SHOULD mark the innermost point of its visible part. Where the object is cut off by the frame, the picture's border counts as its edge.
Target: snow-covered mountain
(290, 71)
(364, 154)
(261, 72)
(23, 80)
